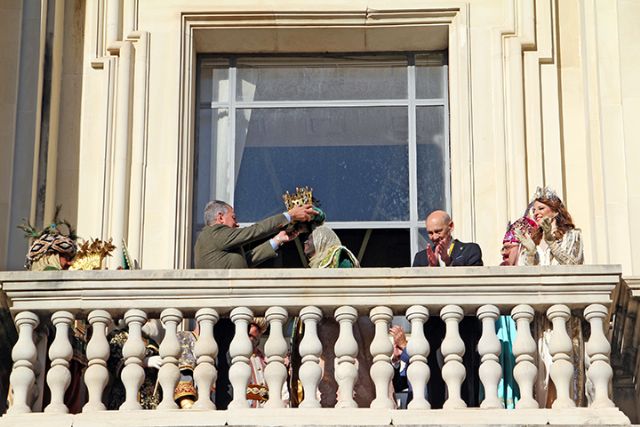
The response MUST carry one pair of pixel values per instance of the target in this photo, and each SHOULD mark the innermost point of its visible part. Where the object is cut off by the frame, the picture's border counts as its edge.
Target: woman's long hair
(564, 222)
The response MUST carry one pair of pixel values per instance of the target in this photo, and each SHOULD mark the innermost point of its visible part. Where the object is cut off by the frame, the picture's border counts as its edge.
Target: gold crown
(302, 196)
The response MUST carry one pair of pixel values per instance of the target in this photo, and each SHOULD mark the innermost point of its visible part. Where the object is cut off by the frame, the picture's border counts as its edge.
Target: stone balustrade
(206, 296)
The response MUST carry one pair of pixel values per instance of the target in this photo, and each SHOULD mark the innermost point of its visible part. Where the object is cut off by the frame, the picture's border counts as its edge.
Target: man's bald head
(439, 227)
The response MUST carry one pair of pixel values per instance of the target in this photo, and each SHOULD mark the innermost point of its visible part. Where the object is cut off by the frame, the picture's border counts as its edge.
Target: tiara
(302, 196)
(545, 193)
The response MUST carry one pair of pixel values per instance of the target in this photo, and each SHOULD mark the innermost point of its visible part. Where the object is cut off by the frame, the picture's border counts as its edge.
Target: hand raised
(547, 229)
(443, 252)
(284, 237)
(432, 257)
(302, 213)
(399, 337)
(154, 362)
(526, 241)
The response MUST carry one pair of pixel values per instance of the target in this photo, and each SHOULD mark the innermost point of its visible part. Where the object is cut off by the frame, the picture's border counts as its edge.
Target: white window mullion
(326, 103)
(231, 143)
(413, 156)
(447, 157)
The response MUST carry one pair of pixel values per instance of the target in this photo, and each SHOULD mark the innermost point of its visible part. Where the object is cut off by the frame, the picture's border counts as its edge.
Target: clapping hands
(547, 229)
(526, 241)
(441, 251)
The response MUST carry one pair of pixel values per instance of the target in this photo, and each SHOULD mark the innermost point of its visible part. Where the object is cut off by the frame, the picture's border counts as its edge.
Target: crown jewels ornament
(545, 193)
(302, 196)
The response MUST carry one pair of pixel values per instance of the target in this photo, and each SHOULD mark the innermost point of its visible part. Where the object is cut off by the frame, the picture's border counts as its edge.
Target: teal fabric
(507, 388)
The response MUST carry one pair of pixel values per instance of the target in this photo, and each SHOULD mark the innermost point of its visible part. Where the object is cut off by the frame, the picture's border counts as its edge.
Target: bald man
(445, 251)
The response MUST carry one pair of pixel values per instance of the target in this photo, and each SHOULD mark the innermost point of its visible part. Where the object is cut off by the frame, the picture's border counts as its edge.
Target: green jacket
(219, 246)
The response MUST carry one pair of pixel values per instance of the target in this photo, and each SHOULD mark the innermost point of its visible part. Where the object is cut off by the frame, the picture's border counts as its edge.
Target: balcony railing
(344, 294)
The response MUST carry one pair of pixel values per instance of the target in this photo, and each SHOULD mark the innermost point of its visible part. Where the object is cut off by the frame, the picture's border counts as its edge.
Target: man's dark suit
(462, 255)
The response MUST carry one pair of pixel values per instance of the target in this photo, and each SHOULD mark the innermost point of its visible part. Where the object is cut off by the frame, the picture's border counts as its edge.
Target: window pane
(211, 164)
(423, 239)
(214, 81)
(355, 159)
(278, 79)
(433, 155)
(430, 76)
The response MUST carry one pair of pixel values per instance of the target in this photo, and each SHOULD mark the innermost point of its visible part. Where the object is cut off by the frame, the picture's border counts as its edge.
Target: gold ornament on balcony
(91, 254)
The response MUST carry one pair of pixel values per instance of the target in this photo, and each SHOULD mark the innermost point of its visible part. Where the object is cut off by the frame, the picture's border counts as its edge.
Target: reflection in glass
(432, 160)
(430, 76)
(211, 163)
(296, 79)
(355, 159)
(214, 81)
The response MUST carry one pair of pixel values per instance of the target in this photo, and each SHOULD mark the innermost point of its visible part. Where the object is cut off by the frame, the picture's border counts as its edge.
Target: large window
(368, 133)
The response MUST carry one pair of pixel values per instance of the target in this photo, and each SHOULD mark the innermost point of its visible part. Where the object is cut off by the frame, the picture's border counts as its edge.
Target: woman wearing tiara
(556, 241)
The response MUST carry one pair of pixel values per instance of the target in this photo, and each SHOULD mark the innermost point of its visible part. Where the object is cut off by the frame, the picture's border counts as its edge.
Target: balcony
(208, 295)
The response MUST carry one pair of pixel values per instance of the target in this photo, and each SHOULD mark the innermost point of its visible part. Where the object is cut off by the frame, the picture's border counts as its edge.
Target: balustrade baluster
(453, 371)
(489, 349)
(24, 357)
(346, 350)
(206, 351)
(560, 348)
(598, 350)
(240, 351)
(275, 350)
(418, 371)
(381, 350)
(133, 353)
(60, 353)
(96, 376)
(524, 349)
(169, 374)
(310, 350)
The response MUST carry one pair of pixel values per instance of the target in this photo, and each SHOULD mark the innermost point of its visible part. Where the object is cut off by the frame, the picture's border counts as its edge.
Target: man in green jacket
(220, 242)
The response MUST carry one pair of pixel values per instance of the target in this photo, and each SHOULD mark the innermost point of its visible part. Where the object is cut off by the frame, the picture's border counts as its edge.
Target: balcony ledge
(397, 288)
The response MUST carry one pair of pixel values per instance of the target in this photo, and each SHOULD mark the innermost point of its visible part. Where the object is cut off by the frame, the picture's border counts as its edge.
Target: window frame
(411, 102)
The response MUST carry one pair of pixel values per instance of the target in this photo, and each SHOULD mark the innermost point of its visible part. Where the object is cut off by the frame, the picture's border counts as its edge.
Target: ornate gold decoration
(91, 254)
(302, 196)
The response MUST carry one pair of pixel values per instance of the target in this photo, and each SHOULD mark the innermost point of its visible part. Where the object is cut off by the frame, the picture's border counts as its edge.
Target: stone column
(453, 371)
(24, 357)
(489, 348)
(418, 350)
(560, 348)
(275, 350)
(346, 350)
(524, 348)
(169, 374)
(310, 352)
(598, 350)
(96, 376)
(133, 353)
(381, 351)
(60, 353)
(240, 352)
(206, 351)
